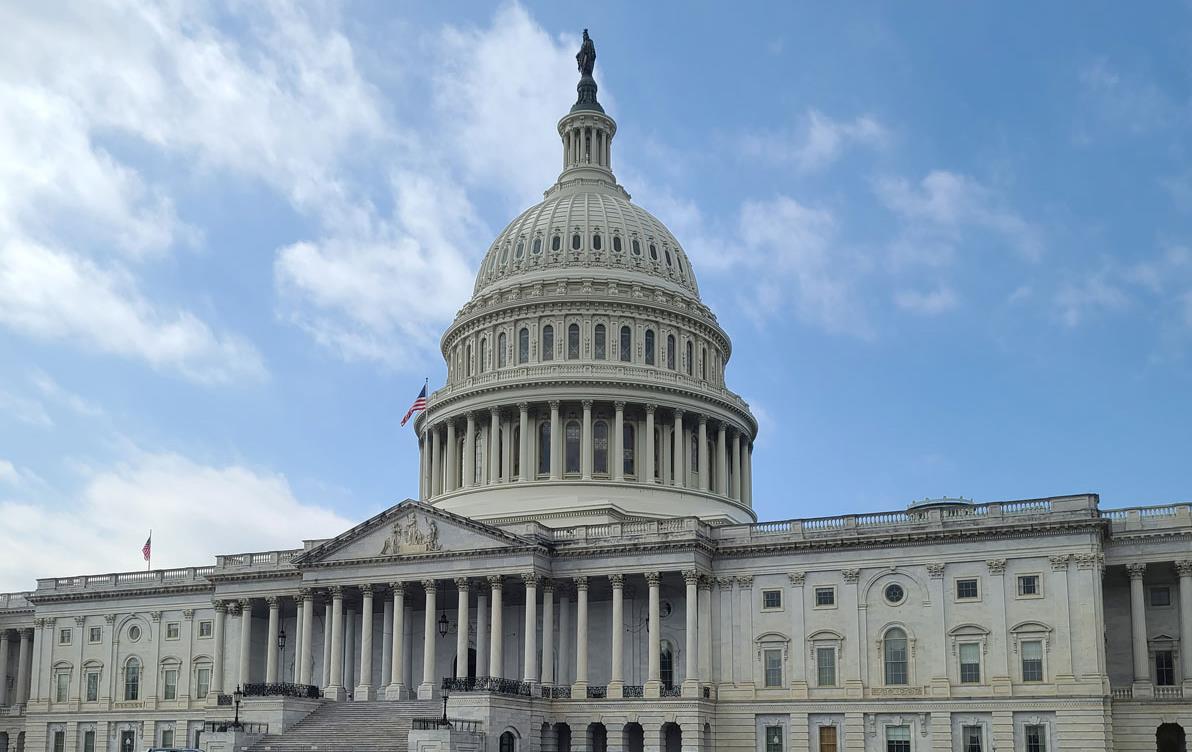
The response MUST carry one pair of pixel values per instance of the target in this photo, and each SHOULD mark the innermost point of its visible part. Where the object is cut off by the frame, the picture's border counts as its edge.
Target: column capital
(679, 413)
(155, 616)
(273, 601)
(703, 420)
(1136, 570)
(653, 579)
(747, 580)
(188, 614)
(935, 570)
(496, 581)
(725, 583)
(619, 405)
(617, 580)
(1059, 563)
(798, 578)
(494, 412)
(111, 618)
(996, 566)
(554, 404)
(246, 604)
(1086, 561)
(430, 586)
(587, 404)
(548, 585)
(307, 594)
(336, 591)
(220, 606)
(398, 587)
(851, 575)
(524, 407)
(581, 583)
(706, 581)
(691, 577)
(530, 579)
(366, 589)
(650, 408)
(463, 584)
(1183, 568)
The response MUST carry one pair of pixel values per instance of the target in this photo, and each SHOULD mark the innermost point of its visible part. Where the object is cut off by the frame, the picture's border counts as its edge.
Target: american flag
(418, 406)
(147, 549)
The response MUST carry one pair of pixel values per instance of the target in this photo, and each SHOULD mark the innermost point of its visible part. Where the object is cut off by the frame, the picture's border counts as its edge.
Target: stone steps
(377, 726)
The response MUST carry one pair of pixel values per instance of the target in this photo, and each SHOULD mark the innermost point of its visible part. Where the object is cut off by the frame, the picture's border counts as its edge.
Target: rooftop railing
(150, 578)
(262, 559)
(1149, 518)
(15, 601)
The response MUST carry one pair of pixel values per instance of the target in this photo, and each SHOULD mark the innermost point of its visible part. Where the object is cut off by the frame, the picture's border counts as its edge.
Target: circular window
(894, 594)
(134, 633)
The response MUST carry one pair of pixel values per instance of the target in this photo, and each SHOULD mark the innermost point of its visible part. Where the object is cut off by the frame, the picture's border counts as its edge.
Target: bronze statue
(586, 57)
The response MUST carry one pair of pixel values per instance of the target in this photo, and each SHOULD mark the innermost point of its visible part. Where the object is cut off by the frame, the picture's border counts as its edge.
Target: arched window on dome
(544, 448)
(537, 247)
(478, 460)
(548, 343)
(690, 357)
(653, 252)
(556, 242)
(468, 360)
(523, 345)
(483, 355)
(649, 343)
(573, 342)
(596, 241)
(502, 350)
(505, 253)
(679, 263)
(575, 241)
(616, 243)
(521, 248)
(626, 344)
(599, 342)
(600, 447)
(703, 364)
(670, 351)
(629, 436)
(666, 251)
(571, 447)
(637, 248)
(894, 656)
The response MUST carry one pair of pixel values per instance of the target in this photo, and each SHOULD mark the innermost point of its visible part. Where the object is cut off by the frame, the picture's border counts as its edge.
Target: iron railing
(223, 700)
(281, 689)
(245, 727)
(634, 690)
(493, 684)
(597, 692)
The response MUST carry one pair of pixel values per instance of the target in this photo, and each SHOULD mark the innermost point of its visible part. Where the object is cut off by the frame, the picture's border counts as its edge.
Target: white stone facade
(584, 570)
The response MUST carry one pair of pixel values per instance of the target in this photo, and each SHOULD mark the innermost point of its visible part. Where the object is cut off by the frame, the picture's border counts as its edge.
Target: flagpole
(149, 558)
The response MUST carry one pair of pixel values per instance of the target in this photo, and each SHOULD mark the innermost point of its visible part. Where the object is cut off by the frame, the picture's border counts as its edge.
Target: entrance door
(128, 741)
(1170, 738)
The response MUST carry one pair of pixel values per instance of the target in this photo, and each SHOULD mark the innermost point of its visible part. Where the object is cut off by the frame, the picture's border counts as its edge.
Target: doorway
(1170, 738)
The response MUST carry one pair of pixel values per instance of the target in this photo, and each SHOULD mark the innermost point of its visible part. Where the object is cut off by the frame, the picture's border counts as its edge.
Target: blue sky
(951, 243)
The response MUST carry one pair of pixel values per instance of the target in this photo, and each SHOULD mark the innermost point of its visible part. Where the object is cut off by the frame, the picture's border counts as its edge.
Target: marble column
(585, 444)
(217, 657)
(426, 690)
(349, 677)
(705, 473)
(364, 685)
(618, 456)
(648, 475)
(1142, 667)
(245, 640)
(705, 629)
(530, 674)
(462, 622)
(722, 459)
(678, 471)
(304, 647)
(565, 636)
(1183, 569)
(580, 687)
(469, 468)
(397, 689)
(482, 637)
(452, 481)
(691, 677)
(494, 446)
(274, 604)
(386, 646)
(4, 667)
(556, 435)
(24, 658)
(654, 667)
(436, 462)
(725, 585)
(496, 646)
(736, 489)
(334, 685)
(747, 481)
(423, 464)
(548, 632)
(326, 642)
(616, 684)
(524, 441)
(507, 450)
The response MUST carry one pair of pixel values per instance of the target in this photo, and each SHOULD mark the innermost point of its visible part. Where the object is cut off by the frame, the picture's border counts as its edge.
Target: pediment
(410, 529)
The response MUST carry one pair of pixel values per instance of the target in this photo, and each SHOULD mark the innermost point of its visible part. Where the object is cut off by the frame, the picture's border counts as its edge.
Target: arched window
(571, 450)
(894, 654)
(555, 242)
(690, 357)
(596, 242)
(600, 447)
(616, 243)
(703, 364)
(629, 435)
(599, 344)
(666, 665)
(626, 344)
(575, 241)
(521, 248)
(523, 345)
(502, 346)
(670, 351)
(508, 742)
(544, 447)
(637, 249)
(483, 354)
(548, 343)
(653, 252)
(649, 347)
(537, 247)
(505, 253)
(478, 463)
(573, 342)
(668, 256)
(132, 680)
(468, 360)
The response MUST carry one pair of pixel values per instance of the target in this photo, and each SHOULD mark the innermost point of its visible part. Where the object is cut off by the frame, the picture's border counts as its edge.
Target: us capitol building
(583, 569)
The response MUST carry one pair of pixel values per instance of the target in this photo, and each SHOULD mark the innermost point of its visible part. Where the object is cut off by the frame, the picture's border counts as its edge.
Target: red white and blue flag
(418, 406)
(147, 549)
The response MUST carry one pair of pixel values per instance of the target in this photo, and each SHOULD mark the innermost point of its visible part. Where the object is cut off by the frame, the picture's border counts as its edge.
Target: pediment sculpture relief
(412, 535)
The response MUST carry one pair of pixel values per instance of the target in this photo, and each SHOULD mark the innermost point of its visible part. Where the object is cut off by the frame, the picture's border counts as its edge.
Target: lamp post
(237, 696)
(443, 624)
(281, 648)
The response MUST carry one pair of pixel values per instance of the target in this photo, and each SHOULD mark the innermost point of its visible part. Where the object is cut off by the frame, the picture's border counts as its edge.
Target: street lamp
(281, 639)
(237, 696)
(443, 625)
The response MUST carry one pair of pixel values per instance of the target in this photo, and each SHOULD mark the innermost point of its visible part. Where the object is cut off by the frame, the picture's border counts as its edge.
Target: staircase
(376, 726)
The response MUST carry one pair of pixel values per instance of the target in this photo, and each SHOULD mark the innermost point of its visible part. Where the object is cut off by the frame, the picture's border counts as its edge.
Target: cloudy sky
(952, 244)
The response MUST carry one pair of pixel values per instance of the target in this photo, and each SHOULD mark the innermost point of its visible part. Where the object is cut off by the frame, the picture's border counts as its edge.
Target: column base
(396, 692)
(616, 690)
(653, 688)
(335, 693)
(579, 690)
(364, 692)
(690, 688)
(426, 691)
(1144, 689)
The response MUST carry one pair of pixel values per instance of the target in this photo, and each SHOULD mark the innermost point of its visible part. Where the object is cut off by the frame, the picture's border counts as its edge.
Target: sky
(952, 244)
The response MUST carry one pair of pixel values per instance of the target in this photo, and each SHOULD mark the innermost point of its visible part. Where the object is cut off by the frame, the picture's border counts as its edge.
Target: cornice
(85, 595)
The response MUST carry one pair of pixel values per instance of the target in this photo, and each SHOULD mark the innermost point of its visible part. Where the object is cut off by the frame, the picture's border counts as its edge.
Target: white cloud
(237, 508)
(927, 303)
(818, 142)
(55, 392)
(1122, 100)
(25, 410)
(1077, 300)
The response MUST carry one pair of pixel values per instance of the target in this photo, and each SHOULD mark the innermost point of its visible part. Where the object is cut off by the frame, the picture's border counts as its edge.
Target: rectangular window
(966, 590)
(92, 686)
(1164, 668)
(898, 739)
(771, 599)
(1036, 738)
(1160, 596)
(88, 741)
(64, 636)
(1032, 661)
(827, 739)
(205, 629)
(167, 737)
(773, 666)
(972, 737)
(62, 688)
(774, 739)
(173, 630)
(59, 741)
(95, 634)
(825, 667)
(970, 663)
(825, 597)
(170, 690)
(1028, 585)
(202, 682)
